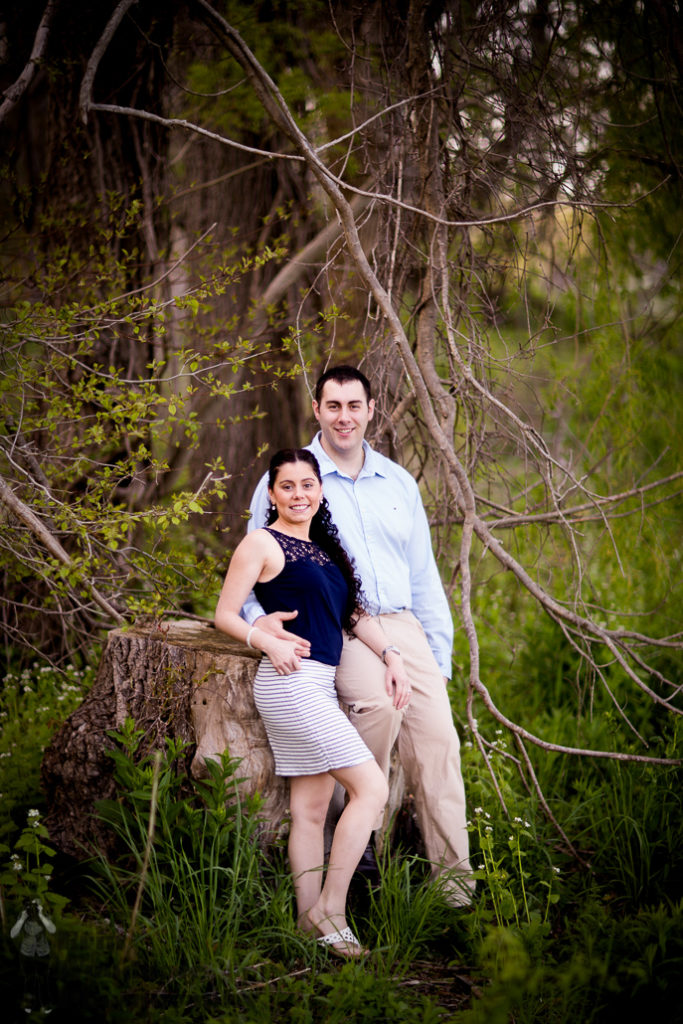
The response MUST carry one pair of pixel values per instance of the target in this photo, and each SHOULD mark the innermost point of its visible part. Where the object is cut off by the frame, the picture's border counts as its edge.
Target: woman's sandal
(341, 944)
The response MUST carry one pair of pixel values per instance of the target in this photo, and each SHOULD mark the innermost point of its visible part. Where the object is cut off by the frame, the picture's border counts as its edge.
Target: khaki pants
(428, 744)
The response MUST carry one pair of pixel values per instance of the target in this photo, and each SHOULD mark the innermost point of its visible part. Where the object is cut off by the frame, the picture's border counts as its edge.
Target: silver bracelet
(248, 640)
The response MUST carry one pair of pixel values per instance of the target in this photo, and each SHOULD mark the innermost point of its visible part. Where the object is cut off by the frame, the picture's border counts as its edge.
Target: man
(377, 508)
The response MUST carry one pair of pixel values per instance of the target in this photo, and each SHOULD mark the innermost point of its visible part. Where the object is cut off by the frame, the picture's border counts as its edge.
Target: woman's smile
(296, 493)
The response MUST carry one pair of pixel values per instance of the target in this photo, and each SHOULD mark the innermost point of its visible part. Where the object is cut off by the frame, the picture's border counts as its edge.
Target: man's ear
(371, 408)
(316, 410)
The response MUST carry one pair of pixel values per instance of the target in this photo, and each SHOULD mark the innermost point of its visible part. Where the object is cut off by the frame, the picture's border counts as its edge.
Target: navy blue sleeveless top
(312, 584)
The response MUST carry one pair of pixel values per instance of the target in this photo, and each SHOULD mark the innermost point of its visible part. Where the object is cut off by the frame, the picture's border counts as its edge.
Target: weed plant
(193, 921)
(33, 703)
(563, 938)
(215, 916)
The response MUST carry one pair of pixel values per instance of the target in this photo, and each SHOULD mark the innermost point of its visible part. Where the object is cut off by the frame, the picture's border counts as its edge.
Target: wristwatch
(386, 651)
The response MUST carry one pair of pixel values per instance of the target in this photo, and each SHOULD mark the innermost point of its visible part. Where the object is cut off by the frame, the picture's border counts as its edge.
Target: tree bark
(182, 680)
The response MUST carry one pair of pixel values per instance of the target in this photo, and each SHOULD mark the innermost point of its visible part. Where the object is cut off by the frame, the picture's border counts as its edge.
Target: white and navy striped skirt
(307, 730)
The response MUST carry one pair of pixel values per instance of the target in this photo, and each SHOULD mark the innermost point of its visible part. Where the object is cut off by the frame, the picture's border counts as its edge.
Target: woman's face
(296, 493)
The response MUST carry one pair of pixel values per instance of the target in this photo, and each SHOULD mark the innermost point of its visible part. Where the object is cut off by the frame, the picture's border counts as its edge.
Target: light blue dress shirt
(384, 528)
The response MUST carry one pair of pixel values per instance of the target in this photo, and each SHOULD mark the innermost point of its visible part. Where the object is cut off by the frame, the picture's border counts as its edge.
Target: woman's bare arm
(254, 558)
(396, 679)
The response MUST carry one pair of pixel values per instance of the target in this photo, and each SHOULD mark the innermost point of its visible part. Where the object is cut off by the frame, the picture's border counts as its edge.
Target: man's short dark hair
(342, 375)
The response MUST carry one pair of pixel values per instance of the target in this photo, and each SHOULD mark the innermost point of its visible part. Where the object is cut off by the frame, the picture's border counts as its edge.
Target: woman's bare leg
(309, 798)
(367, 792)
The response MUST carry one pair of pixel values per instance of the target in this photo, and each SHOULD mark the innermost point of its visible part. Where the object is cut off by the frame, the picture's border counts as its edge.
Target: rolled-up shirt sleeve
(429, 601)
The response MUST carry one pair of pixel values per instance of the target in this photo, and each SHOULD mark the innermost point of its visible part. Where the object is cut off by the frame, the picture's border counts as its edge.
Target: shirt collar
(372, 466)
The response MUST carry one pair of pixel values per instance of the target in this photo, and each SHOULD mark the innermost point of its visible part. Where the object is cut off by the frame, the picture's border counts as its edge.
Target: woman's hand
(396, 680)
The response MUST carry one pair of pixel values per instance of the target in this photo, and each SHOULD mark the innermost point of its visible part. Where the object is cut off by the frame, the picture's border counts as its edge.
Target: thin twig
(146, 858)
(544, 803)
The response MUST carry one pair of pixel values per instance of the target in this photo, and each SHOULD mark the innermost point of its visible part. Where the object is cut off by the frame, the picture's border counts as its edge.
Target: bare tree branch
(98, 53)
(518, 213)
(577, 512)
(24, 514)
(458, 482)
(14, 93)
(177, 122)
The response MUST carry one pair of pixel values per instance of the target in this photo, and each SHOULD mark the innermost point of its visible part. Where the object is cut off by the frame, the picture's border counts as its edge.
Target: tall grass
(216, 916)
(609, 939)
(207, 890)
(191, 921)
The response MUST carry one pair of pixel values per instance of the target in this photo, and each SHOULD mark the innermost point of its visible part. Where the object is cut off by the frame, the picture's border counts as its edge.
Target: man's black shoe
(367, 866)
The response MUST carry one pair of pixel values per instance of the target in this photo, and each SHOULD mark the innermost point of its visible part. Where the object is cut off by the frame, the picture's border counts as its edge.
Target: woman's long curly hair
(322, 532)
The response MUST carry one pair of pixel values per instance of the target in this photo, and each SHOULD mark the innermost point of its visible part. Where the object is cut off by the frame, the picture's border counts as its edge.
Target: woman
(296, 563)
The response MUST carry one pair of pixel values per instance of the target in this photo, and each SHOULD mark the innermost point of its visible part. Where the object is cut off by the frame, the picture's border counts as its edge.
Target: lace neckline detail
(297, 550)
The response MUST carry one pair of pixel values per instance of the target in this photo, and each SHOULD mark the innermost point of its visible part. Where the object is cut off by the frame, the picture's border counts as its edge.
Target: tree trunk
(182, 680)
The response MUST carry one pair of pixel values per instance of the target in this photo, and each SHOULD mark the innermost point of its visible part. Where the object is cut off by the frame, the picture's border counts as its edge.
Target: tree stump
(182, 680)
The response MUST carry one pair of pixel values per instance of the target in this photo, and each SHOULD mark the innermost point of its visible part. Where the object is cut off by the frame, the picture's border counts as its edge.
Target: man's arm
(430, 604)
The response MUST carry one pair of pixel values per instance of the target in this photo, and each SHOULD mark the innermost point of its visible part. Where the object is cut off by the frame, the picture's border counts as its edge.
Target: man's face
(343, 414)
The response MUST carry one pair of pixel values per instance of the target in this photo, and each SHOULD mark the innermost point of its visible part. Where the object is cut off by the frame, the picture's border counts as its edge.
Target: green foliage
(76, 973)
(216, 915)
(108, 384)
(558, 938)
(215, 936)
(506, 872)
(204, 895)
(28, 871)
(32, 706)
(104, 399)
(33, 703)
(639, 957)
(406, 912)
